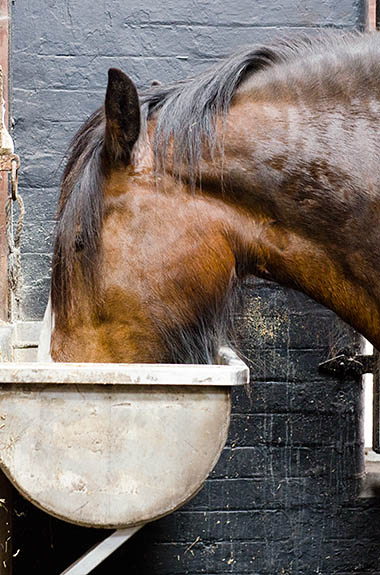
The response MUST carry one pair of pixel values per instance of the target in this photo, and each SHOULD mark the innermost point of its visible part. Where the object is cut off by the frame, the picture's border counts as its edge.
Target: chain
(14, 256)
(10, 163)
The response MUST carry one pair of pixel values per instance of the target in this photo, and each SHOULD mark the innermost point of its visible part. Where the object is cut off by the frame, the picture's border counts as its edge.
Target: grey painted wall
(283, 497)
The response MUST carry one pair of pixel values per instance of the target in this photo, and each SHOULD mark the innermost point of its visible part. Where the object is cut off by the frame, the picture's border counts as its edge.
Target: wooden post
(4, 55)
(370, 16)
(5, 485)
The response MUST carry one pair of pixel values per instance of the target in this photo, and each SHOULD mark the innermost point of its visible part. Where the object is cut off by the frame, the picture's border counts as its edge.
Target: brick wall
(283, 497)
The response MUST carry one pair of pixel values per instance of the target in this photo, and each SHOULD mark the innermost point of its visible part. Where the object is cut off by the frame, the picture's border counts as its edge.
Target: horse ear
(122, 111)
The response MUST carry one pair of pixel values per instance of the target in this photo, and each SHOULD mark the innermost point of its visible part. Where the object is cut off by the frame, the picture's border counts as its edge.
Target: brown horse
(268, 164)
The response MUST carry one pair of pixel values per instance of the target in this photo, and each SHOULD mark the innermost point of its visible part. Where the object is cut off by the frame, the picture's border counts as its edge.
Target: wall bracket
(344, 365)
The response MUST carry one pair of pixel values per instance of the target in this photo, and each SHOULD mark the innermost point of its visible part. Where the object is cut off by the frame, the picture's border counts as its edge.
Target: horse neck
(307, 181)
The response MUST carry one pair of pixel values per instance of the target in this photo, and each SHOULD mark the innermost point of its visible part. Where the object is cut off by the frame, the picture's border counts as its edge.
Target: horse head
(257, 166)
(145, 265)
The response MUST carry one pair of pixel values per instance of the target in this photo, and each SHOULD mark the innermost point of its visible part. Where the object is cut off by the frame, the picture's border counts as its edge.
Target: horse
(264, 165)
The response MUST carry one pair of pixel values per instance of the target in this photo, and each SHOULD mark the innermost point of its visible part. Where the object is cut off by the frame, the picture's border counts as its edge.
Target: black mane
(186, 113)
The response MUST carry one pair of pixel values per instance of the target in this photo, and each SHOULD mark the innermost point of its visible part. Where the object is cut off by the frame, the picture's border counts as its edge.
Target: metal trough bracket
(100, 552)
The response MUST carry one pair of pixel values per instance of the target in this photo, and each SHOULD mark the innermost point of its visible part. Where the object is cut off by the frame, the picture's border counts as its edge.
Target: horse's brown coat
(292, 195)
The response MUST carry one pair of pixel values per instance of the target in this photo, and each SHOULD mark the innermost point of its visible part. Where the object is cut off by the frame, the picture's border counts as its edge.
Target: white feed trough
(113, 445)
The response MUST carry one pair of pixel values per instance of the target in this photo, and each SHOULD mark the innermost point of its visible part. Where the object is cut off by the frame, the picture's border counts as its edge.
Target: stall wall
(283, 497)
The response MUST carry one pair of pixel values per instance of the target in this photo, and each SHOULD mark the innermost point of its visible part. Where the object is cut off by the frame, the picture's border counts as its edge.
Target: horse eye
(79, 244)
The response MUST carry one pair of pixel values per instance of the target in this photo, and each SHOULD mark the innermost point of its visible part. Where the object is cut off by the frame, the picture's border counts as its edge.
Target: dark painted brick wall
(283, 497)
